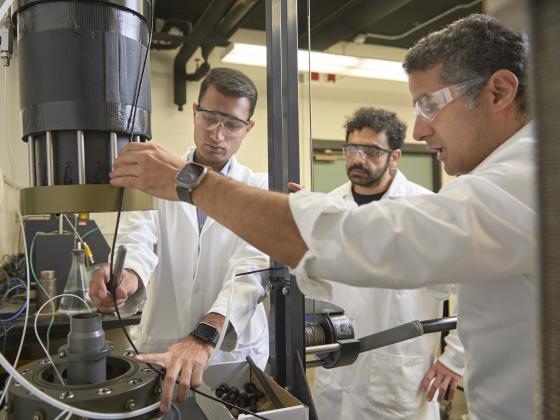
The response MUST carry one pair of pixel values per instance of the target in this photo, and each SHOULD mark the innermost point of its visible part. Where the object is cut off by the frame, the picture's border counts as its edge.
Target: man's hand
(186, 359)
(102, 298)
(147, 167)
(439, 378)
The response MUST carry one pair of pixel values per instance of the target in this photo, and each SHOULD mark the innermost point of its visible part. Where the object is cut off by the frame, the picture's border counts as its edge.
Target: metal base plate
(92, 198)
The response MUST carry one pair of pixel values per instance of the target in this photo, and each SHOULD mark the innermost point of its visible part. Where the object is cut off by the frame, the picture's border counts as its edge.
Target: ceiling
(186, 25)
(396, 23)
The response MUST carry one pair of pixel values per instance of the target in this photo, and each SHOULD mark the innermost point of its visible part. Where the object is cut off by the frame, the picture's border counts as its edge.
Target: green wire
(31, 247)
(53, 233)
(95, 229)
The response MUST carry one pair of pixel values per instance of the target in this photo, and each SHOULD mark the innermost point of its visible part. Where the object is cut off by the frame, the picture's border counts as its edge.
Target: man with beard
(391, 375)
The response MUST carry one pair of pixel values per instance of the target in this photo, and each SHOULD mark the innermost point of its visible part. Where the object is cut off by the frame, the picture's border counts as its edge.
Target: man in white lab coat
(188, 275)
(385, 383)
(468, 84)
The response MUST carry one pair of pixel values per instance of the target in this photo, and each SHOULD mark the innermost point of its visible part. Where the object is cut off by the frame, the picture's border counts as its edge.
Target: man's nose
(421, 130)
(218, 133)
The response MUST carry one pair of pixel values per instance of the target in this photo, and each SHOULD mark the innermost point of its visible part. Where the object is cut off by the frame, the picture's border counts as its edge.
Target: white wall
(331, 104)
(13, 157)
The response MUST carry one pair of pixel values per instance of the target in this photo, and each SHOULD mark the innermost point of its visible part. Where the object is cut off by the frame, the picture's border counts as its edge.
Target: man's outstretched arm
(262, 218)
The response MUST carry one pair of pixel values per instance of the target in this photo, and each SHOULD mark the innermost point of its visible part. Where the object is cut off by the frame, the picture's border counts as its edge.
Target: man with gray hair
(468, 88)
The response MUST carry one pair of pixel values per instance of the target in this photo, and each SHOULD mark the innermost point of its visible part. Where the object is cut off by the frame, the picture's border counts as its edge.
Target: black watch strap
(184, 194)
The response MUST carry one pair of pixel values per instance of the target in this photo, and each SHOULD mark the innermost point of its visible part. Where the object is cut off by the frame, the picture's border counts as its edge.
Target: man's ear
(395, 156)
(502, 86)
(251, 125)
(194, 106)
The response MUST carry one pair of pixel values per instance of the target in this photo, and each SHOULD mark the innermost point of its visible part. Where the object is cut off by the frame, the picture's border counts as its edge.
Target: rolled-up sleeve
(455, 236)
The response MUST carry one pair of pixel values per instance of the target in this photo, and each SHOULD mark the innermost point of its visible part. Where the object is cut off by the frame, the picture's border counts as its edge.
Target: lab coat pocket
(395, 381)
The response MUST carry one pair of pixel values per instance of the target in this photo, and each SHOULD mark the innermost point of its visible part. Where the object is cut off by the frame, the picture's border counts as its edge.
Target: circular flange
(90, 198)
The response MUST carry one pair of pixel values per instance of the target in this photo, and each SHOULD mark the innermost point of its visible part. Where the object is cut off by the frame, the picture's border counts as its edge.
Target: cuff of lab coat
(138, 268)
(313, 288)
(453, 361)
(230, 339)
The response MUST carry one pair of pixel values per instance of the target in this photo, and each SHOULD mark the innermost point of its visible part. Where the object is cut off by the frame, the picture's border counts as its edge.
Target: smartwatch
(207, 333)
(188, 179)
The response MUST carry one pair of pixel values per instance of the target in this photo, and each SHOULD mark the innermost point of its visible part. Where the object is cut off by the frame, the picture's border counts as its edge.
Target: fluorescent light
(255, 55)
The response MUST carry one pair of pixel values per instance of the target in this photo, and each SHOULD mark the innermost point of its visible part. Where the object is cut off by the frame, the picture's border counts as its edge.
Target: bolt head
(130, 405)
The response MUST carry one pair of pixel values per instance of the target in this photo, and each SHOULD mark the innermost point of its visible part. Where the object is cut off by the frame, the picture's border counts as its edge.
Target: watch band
(183, 193)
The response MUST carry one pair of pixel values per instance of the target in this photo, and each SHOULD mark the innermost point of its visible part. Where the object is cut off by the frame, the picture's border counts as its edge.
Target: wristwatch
(188, 179)
(207, 333)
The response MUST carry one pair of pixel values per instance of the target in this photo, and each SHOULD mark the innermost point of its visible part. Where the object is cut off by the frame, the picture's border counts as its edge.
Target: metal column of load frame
(287, 345)
(545, 26)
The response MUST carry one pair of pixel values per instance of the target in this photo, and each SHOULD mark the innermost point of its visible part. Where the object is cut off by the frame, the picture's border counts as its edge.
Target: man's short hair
(380, 121)
(230, 82)
(475, 46)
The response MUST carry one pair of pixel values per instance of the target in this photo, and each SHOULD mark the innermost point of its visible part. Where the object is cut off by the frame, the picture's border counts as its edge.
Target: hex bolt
(284, 291)
(232, 395)
(222, 390)
(62, 354)
(243, 400)
(157, 390)
(130, 405)
(38, 415)
(251, 388)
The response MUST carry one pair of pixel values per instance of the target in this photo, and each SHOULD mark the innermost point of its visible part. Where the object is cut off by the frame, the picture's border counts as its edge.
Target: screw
(66, 395)
(134, 381)
(26, 371)
(38, 415)
(157, 390)
(284, 291)
(130, 405)
(62, 354)
(104, 391)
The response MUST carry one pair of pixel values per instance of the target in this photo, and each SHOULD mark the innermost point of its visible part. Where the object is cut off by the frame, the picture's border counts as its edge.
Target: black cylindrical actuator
(79, 69)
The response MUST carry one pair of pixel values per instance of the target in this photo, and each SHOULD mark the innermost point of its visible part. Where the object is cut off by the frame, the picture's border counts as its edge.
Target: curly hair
(230, 82)
(380, 121)
(473, 47)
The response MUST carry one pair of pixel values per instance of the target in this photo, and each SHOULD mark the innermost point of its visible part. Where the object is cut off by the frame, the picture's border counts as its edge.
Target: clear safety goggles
(210, 119)
(430, 105)
(367, 151)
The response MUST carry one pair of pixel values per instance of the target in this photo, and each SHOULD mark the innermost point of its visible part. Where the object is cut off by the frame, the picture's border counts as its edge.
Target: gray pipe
(86, 351)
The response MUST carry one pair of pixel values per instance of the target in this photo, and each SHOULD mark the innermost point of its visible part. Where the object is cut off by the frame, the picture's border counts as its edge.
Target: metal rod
(323, 348)
(114, 146)
(31, 153)
(37, 146)
(314, 363)
(439, 324)
(136, 139)
(81, 158)
(50, 159)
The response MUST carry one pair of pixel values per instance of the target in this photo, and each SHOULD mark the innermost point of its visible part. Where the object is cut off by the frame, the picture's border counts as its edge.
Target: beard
(371, 179)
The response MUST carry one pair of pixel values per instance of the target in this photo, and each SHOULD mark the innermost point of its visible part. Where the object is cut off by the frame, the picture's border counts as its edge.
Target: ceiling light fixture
(255, 55)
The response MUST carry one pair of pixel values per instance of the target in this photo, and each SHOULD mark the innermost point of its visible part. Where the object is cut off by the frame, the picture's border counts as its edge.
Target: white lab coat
(192, 274)
(385, 383)
(478, 231)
